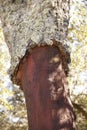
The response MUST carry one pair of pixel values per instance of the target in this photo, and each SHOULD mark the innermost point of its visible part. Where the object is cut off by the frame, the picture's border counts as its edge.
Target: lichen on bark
(37, 22)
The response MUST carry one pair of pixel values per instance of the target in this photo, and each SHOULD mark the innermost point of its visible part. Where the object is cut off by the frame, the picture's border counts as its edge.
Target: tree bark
(36, 23)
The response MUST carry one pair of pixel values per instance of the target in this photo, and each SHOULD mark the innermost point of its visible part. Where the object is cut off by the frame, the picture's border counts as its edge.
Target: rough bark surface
(27, 23)
(46, 91)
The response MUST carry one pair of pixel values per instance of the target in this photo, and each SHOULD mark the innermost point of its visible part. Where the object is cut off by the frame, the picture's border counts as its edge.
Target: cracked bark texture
(28, 23)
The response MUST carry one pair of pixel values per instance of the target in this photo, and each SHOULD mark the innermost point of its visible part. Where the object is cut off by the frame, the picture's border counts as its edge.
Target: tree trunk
(35, 34)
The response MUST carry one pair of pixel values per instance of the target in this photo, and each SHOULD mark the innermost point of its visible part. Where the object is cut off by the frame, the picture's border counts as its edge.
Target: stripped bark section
(46, 91)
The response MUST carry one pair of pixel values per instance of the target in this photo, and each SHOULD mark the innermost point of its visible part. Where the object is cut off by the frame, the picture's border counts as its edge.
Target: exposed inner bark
(46, 90)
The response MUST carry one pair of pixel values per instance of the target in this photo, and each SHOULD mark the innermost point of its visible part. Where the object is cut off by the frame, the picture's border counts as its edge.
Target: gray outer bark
(36, 23)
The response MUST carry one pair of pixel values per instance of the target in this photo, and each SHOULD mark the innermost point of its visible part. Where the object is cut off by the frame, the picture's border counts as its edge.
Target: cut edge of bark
(64, 53)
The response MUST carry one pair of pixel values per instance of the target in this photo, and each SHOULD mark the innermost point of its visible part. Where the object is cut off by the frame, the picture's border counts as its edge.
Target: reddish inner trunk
(44, 82)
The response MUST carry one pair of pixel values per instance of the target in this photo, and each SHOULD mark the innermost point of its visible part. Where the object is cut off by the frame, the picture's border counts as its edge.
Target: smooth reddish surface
(45, 88)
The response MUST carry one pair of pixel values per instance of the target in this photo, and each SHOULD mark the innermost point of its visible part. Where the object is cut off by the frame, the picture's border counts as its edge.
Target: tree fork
(46, 91)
